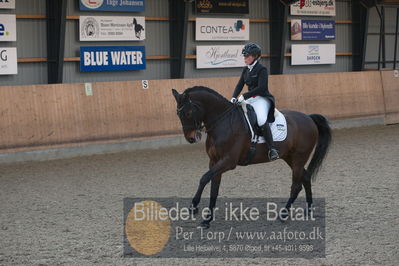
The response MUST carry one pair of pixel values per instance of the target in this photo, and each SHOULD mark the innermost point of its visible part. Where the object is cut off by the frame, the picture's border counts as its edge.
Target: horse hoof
(283, 217)
(204, 225)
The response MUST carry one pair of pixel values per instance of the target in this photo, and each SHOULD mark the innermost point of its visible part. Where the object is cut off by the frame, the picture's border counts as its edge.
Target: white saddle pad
(278, 128)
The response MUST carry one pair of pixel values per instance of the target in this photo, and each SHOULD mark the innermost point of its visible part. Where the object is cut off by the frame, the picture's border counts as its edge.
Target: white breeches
(261, 106)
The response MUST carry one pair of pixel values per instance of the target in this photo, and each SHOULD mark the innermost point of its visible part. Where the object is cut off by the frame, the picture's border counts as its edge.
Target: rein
(211, 125)
(199, 125)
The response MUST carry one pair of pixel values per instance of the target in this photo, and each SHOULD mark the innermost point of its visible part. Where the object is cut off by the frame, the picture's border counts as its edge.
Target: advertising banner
(220, 56)
(221, 29)
(107, 28)
(8, 61)
(112, 5)
(318, 30)
(7, 4)
(8, 28)
(222, 6)
(312, 54)
(314, 8)
(112, 58)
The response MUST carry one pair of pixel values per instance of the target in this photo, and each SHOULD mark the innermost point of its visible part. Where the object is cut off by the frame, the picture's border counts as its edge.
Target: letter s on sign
(145, 84)
(3, 55)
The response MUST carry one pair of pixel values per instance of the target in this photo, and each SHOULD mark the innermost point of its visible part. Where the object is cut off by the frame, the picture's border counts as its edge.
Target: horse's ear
(176, 94)
(185, 97)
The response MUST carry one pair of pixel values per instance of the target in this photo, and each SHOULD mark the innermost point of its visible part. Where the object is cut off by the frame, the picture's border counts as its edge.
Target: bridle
(198, 125)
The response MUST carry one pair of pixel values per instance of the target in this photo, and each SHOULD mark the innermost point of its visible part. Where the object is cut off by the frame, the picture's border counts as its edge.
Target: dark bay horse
(229, 140)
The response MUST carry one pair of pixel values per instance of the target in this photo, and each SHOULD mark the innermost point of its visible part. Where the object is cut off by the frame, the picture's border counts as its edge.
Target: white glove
(233, 100)
(241, 99)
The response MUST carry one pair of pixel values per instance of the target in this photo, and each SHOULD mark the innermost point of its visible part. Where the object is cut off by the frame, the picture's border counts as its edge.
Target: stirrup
(273, 155)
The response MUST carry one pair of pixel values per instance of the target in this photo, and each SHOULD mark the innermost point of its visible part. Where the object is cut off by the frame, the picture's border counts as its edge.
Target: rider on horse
(255, 76)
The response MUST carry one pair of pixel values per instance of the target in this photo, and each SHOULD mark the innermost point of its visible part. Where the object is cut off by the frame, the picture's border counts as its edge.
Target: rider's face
(249, 59)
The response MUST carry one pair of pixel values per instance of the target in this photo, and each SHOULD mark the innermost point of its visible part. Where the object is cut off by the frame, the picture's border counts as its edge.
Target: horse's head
(191, 116)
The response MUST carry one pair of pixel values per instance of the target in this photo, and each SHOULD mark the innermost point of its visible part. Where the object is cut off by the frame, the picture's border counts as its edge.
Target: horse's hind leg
(298, 176)
(296, 187)
(308, 190)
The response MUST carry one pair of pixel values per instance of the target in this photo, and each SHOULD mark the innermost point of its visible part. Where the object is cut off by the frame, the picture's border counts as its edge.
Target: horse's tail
(322, 145)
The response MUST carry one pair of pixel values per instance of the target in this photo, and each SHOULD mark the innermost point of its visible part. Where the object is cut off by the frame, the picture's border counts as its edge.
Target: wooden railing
(37, 116)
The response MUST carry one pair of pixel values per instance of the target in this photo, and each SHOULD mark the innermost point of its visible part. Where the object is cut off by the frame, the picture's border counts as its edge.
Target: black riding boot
(267, 134)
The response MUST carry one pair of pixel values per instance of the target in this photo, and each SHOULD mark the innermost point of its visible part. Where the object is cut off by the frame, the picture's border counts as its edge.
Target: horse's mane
(203, 88)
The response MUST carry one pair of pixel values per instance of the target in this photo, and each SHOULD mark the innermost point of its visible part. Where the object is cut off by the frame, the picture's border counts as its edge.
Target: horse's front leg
(197, 197)
(213, 174)
(215, 184)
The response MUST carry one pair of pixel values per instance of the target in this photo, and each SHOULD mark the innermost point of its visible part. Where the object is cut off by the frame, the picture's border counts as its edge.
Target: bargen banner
(7, 4)
(8, 28)
(8, 61)
(314, 8)
(106, 28)
(221, 29)
(112, 5)
(112, 58)
(312, 54)
(319, 30)
(220, 56)
(222, 6)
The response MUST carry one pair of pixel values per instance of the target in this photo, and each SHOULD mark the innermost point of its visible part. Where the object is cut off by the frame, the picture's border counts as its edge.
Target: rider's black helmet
(251, 49)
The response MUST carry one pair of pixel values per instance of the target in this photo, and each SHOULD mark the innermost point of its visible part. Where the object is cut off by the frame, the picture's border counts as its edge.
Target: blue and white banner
(8, 28)
(313, 30)
(312, 54)
(220, 56)
(7, 4)
(112, 5)
(112, 58)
